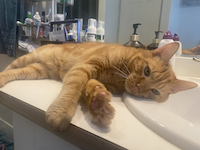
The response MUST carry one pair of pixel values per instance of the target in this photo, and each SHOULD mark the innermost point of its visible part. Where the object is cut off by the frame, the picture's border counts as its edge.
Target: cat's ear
(166, 52)
(181, 85)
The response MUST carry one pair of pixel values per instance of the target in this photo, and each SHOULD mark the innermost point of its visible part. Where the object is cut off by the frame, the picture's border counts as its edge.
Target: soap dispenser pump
(155, 43)
(134, 39)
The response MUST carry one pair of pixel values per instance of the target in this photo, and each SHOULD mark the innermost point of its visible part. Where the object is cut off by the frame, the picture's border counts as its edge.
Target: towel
(5, 143)
(10, 12)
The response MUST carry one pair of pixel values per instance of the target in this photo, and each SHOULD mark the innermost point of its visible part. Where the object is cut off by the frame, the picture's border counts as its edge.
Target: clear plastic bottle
(100, 32)
(92, 30)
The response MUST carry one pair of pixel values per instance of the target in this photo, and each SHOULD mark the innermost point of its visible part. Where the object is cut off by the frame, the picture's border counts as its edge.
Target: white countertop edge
(126, 130)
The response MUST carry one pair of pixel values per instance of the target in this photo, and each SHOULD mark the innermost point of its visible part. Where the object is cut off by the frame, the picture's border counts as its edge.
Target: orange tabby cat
(93, 70)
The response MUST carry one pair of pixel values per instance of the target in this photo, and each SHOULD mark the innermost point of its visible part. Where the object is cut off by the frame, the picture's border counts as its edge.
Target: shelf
(38, 0)
(25, 25)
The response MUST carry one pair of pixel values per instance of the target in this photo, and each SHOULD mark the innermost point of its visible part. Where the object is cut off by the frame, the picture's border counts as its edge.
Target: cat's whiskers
(117, 73)
(126, 67)
(122, 74)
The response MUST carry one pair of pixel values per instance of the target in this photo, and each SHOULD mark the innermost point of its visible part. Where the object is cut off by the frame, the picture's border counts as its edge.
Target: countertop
(31, 98)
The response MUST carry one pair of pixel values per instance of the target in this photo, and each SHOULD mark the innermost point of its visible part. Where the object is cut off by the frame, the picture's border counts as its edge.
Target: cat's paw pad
(100, 109)
(57, 120)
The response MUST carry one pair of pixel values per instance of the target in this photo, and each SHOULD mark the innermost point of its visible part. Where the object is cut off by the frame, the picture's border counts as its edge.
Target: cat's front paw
(57, 118)
(100, 109)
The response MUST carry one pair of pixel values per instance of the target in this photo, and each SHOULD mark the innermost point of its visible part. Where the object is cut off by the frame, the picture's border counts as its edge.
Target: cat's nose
(138, 88)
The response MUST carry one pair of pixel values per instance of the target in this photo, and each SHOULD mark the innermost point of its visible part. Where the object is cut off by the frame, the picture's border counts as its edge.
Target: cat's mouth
(134, 89)
(133, 86)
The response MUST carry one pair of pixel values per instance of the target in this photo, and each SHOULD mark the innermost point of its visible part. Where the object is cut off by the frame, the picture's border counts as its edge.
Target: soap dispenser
(155, 43)
(134, 39)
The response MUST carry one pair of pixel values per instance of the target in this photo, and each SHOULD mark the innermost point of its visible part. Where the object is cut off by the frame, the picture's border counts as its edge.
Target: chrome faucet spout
(196, 59)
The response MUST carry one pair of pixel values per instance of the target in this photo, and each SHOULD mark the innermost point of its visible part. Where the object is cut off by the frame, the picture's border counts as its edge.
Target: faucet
(196, 59)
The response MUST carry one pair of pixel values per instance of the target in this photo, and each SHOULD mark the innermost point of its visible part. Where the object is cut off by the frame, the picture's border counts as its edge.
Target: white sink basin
(177, 119)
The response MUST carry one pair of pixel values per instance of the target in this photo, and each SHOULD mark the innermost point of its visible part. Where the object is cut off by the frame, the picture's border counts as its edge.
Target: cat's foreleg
(33, 71)
(97, 98)
(61, 111)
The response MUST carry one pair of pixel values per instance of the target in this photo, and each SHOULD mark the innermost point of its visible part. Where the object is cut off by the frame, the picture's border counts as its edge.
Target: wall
(146, 12)
(112, 11)
(140, 11)
(101, 11)
(164, 26)
(185, 22)
(189, 27)
(174, 17)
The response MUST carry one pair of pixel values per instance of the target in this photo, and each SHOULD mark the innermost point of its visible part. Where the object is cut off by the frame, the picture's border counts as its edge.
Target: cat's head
(152, 75)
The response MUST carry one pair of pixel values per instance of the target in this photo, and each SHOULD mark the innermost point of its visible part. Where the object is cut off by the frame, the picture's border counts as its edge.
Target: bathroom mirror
(178, 16)
(84, 9)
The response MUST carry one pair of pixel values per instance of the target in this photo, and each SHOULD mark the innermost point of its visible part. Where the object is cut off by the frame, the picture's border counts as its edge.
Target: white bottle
(28, 21)
(92, 30)
(100, 32)
(167, 38)
(37, 22)
(176, 39)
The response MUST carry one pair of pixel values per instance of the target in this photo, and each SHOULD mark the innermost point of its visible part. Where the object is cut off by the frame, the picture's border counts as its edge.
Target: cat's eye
(147, 71)
(155, 91)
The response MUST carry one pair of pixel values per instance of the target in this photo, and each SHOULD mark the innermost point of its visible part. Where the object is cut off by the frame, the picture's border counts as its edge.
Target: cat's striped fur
(93, 70)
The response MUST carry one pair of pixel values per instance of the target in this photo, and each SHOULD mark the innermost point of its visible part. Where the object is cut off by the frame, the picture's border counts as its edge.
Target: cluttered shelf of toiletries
(56, 30)
(39, 0)
(37, 32)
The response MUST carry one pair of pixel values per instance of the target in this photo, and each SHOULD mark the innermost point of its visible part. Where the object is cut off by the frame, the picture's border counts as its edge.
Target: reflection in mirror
(80, 9)
(177, 16)
(184, 22)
